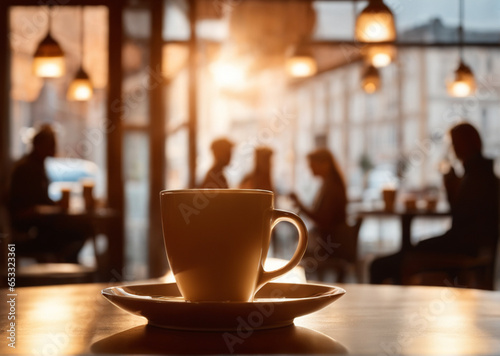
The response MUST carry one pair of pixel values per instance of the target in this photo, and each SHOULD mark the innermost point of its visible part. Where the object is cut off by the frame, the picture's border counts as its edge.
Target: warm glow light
(459, 89)
(296, 275)
(375, 23)
(370, 80)
(379, 55)
(228, 75)
(80, 90)
(55, 315)
(369, 87)
(49, 67)
(301, 66)
(381, 60)
(464, 83)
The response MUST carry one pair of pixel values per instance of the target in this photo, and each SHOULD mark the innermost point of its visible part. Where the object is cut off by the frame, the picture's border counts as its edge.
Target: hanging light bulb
(370, 80)
(379, 55)
(301, 63)
(375, 23)
(463, 83)
(48, 60)
(80, 88)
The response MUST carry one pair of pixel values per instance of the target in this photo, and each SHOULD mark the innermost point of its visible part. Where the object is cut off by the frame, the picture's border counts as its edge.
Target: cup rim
(218, 190)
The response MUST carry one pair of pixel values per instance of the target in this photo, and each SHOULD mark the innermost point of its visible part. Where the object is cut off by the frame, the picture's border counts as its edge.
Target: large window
(80, 126)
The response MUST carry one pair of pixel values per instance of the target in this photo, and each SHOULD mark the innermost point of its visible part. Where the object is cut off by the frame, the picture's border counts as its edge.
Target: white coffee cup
(217, 241)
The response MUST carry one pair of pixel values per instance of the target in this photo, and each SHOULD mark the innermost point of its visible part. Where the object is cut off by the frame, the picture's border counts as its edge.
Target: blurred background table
(369, 319)
(406, 217)
(101, 221)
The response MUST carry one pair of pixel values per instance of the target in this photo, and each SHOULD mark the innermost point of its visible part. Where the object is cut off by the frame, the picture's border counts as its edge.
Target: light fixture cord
(81, 37)
(49, 17)
(461, 30)
(354, 15)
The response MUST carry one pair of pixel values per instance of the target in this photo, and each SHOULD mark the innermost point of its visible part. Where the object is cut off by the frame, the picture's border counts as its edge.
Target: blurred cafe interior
(137, 92)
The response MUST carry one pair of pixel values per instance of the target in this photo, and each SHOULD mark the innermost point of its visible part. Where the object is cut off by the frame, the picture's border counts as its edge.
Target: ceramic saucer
(275, 305)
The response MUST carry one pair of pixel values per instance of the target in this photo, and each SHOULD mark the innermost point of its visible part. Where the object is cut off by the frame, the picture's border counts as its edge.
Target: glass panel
(177, 158)
(136, 177)
(335, 20)
(175, 20)
(176, 110)
(136, 69)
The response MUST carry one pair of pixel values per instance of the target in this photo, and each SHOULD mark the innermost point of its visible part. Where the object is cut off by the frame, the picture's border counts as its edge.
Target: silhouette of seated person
(260, 177)
(473, 200)
(215, 178)
(328, 212)
(37, 234)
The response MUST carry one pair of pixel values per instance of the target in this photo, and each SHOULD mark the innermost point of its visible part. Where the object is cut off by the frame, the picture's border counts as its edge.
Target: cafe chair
(339, 254)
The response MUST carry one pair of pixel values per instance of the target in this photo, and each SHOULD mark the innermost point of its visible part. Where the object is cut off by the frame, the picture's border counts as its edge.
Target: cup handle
(279, 216)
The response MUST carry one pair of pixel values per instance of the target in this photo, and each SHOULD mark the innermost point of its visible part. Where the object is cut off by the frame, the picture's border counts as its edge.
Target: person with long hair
(329, 207)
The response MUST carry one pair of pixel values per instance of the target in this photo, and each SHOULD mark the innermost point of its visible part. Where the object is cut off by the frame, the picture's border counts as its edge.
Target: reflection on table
(146, 339)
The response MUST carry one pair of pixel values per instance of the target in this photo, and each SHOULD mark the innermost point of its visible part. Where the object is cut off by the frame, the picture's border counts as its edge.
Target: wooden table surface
(75, 319)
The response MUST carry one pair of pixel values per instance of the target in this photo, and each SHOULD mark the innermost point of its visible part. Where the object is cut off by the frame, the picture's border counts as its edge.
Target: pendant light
(370, 80)
(301, 63)
(379, 55)
(375, 23)
(463, 83)
(80, 88)
(48, 60)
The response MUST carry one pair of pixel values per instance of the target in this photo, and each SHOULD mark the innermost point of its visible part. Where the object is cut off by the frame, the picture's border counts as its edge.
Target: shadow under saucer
(147, 339)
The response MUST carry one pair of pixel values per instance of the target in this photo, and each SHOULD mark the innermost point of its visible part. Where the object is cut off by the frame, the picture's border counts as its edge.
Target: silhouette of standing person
(473, 200)
(260, 177)
(215, 178)
(329, 208)
(29, 189)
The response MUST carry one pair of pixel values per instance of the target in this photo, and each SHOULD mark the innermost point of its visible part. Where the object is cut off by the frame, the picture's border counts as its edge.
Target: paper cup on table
(389, 196)
(65, 197)
(411, 203)
(88, 194)
(431, 203)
